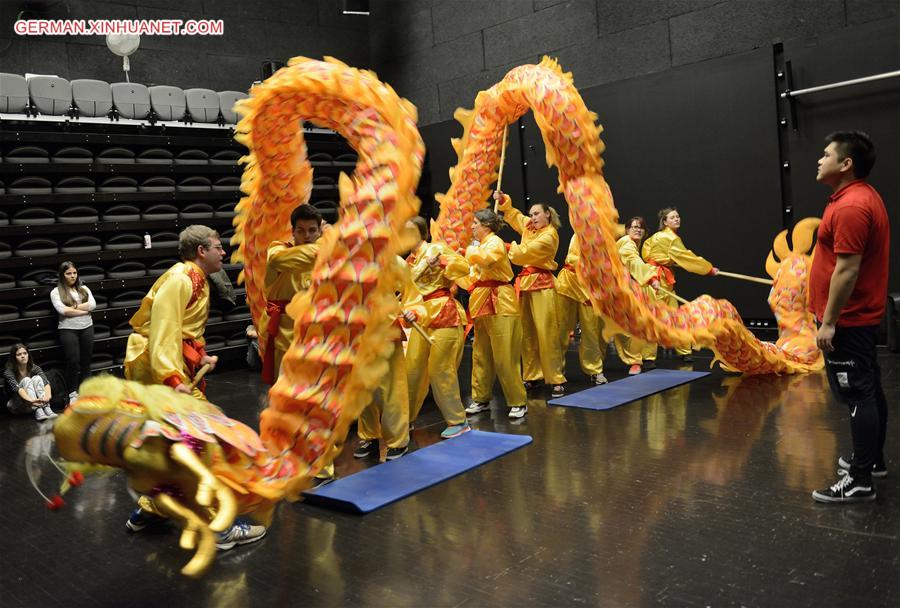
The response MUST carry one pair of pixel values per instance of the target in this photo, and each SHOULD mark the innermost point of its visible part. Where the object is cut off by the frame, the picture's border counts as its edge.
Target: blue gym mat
(389, 482)
(628, 389)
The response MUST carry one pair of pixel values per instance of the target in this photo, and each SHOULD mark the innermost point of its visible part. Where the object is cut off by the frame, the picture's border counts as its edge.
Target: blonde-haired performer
(167, 345)
(573, 304)
(497, 347)
(541, 358)
(387, 416)
(634, 352)
(434, 268)
(666, 249)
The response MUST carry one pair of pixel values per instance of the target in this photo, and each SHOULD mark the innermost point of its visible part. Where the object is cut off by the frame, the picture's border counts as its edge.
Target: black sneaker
(687, 358)
(878, 469)
(318, 482)
(648, 365)
(558, 390)
(530, 385)
(395, 453)
(846, 489)
(366, 448)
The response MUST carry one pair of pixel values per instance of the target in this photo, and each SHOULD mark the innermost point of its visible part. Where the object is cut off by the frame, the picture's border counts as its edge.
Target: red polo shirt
(855, 222)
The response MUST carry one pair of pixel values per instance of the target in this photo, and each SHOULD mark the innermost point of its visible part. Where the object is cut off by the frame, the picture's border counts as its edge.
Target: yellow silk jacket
(435, 282)
(537, 249)
(489, 279)
(666, 248)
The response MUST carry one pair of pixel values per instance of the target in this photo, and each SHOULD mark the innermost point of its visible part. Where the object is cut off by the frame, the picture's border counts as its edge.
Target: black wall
(705, 138)
(254, 31)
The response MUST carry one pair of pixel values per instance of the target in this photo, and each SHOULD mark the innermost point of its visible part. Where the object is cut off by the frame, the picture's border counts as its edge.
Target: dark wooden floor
(699, 496)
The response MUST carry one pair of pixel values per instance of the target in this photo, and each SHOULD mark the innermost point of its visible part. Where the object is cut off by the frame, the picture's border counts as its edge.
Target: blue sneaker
(140, 519)
(455, 431)
(240, 533)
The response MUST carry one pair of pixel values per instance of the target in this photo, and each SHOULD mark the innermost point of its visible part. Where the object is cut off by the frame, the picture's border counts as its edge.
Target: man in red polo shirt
(847, 293)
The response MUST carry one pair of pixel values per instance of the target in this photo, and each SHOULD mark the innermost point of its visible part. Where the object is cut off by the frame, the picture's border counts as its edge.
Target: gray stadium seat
(90, 273)
(215, 316)
(227, 184)
(227, 99)
(168, 102)
(76, 184)
(4, 218)
(214, 343)
(81, 244)
(192, 156)
(36, 247)
(324, 183)
(30, 185)
(101, 330)
(238, 312)
(203, 104)
(195, 183)
(102, 301)
(320, 158)
(122, 242)
(5, 250)
(72, 155)
(160, 212)
(164, 240)
(122, 213)
(33, 216)
(42, 339)
(79, 214)
(8, 312)
(116, 156)
(51, 95)
(13, 93)
(7, 281)
(101, 361)
(345, 160)
(158, 184)
(225, 237)
(120, 184)
(226, 210)
(161, 266)
(36, 278)
(236, 339)
(196, 211)
(92, 97)
(127, 270)
(225, 157)
(122, 329)
(30, 155)
(131, 99)
(154, 156)
(127, 298)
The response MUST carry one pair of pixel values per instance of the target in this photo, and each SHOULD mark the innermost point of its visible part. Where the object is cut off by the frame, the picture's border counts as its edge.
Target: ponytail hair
(554, 216)
(489, 220)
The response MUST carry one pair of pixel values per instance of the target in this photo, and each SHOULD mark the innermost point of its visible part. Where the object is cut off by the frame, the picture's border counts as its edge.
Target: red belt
(274, 308)
(529, 270)
(491, 301)
(667, 275)
(569, 267)
(192, 351)
(438, 293)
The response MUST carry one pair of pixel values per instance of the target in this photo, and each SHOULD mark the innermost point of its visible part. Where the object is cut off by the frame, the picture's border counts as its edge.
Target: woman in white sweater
(74, 303)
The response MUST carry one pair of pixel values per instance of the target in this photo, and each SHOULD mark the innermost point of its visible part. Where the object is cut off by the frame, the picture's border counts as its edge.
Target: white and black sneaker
(518, 412)
(476, 408)
(878, 470)
(599, 379)
(847, 489)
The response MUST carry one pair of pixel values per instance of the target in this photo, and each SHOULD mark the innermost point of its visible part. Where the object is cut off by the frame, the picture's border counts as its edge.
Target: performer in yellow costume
(434, 267)
(288, 272)
(167, 344)
(387, 417)
(665, 249)
(572, 303)
(494, 310)
(541, 357)
(634, 352)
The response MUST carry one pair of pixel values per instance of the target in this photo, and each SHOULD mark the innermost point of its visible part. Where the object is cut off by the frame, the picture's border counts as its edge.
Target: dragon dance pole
(502, 162)
(745, 277)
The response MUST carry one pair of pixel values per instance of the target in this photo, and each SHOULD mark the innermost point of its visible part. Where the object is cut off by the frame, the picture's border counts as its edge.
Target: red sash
(529, 270)
(192, 351)
(667, 275)
(274, 308)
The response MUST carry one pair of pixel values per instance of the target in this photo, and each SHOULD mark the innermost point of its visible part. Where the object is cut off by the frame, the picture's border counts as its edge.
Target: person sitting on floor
(29, 387)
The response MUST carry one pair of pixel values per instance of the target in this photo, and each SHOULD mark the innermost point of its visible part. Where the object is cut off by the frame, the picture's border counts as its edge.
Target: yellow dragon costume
(203, 468)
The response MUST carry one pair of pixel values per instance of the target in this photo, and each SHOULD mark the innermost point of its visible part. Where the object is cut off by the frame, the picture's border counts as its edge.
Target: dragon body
(202, 468)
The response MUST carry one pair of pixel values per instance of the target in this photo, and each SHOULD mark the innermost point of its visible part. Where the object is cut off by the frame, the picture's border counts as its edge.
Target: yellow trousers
(590, 350)
(437, 365)
(496, 352)
(672, 302)
(540, 337)
(387, 417)
(634, 351)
